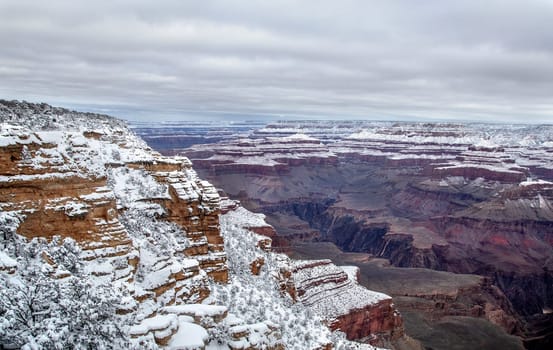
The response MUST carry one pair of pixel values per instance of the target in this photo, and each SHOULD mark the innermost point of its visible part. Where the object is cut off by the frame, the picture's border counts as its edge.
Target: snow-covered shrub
(9, 221)
(132, 186)
(258, 298)
(39, 311)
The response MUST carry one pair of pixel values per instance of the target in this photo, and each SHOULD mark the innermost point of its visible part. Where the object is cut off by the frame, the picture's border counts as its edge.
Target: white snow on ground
(535, 182)
(241, 217)
(351, 271)
(6, 262)
(299, 137)
(189, 336)
(497, 169)
(197, 310)
(156, 323)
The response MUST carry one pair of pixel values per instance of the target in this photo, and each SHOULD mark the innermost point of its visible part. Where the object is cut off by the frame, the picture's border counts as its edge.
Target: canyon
(94, 220)
(452, 220)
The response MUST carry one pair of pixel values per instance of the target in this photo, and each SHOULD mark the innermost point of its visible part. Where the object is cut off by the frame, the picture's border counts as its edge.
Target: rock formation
(146, 227)
(63, 174)
(358, 312)
(327, 290)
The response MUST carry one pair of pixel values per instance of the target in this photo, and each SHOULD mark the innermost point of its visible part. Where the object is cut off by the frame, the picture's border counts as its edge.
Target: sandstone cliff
(87, 178)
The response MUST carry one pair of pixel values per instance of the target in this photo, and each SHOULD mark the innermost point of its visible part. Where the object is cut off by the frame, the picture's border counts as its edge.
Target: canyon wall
(148, 229)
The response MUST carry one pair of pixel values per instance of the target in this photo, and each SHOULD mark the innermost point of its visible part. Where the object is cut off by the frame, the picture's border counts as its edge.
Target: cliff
(94, 220)
(331, 293)
(86, 178)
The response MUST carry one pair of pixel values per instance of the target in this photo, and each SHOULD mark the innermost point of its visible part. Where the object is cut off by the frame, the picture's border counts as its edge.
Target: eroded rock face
(194, 206)
(86, 177)
(330, 292)
(356, 311)
(265, 156)
(379, 324)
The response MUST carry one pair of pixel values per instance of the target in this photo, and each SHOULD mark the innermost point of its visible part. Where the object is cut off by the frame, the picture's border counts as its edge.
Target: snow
(38, 177)
(99, 268)
(156, 323)
(299, 137)
(158, 278)
(241, 217)
(351, 271)
(189, 336)
(196, 310)
(252, 304)
(325, 291)
(255, 335)
(53, 137)
(132, 186)
(256, 298)
(406, 137)
(6, 262)
(535, 182)
(480, 166)
(75, 208)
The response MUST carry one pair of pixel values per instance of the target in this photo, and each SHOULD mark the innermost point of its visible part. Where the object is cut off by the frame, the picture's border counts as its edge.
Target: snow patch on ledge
(534, 182)
(327, 290)
(6, 262)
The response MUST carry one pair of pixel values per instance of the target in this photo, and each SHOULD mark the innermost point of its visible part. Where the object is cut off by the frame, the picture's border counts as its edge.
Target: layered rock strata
(460, 198)
(361, 314)
(87, 178)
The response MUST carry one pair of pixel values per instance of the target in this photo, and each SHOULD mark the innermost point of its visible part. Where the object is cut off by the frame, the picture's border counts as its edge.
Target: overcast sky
(341, 59)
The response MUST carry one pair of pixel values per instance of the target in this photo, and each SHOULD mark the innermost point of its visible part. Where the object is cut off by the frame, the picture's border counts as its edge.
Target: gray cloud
(395, 59)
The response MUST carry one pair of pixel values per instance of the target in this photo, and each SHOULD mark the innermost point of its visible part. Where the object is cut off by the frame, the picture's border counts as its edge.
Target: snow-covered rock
(101, 231)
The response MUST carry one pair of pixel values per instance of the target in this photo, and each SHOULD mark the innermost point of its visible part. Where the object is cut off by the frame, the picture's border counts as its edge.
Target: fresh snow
(257, 298)
(6, 262)
(189, 336)
(351, 271)
(332, 299)
(156, 323)
(535, 182)
(197, 310)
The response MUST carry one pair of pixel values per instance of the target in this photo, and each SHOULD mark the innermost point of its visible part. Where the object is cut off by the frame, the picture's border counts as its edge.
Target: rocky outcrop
(87, 178)
(475, 171)
(57, 198)
(256, 265)
(194, 206)
(330, 293)
(150, 228)
(379, 324)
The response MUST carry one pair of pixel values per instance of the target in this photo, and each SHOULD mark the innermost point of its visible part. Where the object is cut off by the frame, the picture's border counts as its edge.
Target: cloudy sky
(341, 59)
